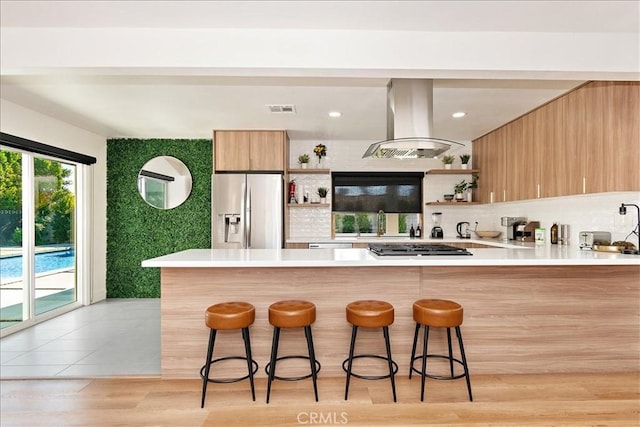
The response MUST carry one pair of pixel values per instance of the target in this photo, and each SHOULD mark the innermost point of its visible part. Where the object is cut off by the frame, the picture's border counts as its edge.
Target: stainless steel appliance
(590, 238)
(436, 231)
(462, 228)
(526, 231)
(416, 250)
(247, 211)
(510, 224)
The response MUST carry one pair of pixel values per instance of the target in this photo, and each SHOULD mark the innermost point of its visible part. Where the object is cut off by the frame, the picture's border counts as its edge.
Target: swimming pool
(11, 268)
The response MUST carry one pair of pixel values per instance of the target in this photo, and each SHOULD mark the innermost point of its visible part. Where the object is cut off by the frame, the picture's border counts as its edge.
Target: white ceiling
(118, 102)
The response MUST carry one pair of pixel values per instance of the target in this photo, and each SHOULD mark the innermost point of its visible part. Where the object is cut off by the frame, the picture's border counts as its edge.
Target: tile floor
(115, 337)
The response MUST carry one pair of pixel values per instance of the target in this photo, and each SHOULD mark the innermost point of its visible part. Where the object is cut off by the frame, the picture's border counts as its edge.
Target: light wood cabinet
(500, 160)
(290, 245)
(592, 166)
(621, 150)
(480, 160)
(516, 168)
(587, 141)
(249, 150)
(574, 148)
(467, 245)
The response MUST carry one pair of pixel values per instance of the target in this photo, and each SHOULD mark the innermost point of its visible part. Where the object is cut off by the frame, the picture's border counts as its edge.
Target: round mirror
(164, 182)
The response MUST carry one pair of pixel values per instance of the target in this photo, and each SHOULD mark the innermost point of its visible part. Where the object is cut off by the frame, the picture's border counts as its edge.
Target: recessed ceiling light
(335, 114)
(458, 114)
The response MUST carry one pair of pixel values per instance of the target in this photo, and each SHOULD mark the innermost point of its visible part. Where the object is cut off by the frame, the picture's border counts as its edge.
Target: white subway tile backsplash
(310, 223)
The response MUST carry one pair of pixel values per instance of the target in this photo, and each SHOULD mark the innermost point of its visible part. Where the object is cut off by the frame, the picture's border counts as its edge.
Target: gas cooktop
(416, 250)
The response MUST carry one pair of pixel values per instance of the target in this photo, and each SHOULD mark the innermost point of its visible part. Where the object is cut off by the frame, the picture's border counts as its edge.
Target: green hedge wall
(137, 231)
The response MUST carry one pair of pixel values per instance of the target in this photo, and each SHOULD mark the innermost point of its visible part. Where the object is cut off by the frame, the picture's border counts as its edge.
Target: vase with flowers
(320, 151)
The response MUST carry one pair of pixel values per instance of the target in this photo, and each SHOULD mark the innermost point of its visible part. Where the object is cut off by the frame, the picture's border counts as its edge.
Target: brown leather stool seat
(292, 314)
(438, 313)
(229, 316)
(370, 314)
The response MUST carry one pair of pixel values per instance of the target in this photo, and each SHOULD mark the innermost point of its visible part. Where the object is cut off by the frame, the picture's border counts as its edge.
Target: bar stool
(292, 314)
(370, 314)
(229, 316)
(438, 314)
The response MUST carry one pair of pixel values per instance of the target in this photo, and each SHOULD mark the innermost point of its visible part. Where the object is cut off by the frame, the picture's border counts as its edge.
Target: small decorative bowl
(487, 233)
(448, 197)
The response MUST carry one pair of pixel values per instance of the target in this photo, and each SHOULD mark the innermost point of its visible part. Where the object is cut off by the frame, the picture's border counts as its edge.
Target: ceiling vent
(282, 108)
(409, 123)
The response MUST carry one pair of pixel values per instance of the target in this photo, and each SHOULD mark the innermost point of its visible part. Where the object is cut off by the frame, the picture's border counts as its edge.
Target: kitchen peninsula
(531, 309)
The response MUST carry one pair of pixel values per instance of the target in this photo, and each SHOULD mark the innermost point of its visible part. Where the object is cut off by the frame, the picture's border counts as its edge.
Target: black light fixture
(636, 230)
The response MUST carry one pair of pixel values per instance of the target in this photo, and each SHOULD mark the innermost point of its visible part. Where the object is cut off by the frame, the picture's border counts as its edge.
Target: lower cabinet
(296, 245)
(467, 245)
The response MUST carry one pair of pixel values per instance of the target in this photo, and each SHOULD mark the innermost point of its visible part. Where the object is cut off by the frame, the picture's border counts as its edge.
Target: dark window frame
(31, 146)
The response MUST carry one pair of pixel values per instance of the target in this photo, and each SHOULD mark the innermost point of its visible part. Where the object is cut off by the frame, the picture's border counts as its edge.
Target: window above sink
(351, 225)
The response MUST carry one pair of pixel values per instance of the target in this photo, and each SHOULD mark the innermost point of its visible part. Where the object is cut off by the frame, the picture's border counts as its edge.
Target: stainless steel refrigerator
(247, 210)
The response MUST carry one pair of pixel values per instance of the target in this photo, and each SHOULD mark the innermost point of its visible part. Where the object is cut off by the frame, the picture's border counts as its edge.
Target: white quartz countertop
(542, 255)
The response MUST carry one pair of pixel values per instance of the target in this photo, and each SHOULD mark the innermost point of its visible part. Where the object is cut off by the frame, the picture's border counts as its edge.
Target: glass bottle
(554, 233)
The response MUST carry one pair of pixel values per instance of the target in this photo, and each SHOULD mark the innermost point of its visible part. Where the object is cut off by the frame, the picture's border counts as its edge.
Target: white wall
(587, 212)
(19, 121)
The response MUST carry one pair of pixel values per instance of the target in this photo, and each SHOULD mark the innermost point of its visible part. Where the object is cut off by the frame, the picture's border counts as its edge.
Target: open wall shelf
(452, 171)
(310, 171)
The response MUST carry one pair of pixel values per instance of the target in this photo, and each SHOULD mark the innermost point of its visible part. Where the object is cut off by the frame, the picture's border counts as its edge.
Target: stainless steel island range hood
(409, 123)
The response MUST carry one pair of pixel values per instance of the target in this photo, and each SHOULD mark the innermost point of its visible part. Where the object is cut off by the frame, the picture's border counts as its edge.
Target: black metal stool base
(423, 371)
(267, 369)
(228, 380)
(370, 377)
(393, 366)
(438, 377)
(314, 365)
(252, 365)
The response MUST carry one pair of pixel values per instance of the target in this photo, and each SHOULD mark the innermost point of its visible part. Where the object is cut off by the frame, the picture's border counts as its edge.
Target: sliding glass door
(37, 236)
(54, 226)
(11, 249)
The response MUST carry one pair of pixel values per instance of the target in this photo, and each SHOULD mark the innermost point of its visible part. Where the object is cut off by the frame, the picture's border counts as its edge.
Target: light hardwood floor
(499, 400)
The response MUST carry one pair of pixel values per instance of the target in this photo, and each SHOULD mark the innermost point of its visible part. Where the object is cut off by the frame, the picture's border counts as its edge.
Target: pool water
(11, 268)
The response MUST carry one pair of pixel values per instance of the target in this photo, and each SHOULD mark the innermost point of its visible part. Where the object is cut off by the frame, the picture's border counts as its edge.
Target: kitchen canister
(563, 237)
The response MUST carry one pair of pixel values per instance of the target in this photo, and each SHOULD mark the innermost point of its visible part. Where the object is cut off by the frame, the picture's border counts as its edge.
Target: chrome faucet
(382, 223)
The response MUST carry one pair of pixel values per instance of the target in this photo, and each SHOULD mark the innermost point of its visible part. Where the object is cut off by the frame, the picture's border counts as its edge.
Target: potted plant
(322, 192)
(459, 188)
(464, 160)
(303, 159)
(448, 161)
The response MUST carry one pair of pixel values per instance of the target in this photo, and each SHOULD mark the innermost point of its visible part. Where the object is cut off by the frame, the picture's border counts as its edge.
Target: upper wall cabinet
(587, 141)
(235, 150)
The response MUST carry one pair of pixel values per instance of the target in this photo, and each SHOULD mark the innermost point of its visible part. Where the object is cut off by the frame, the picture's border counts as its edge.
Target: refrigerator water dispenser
(232, 228)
